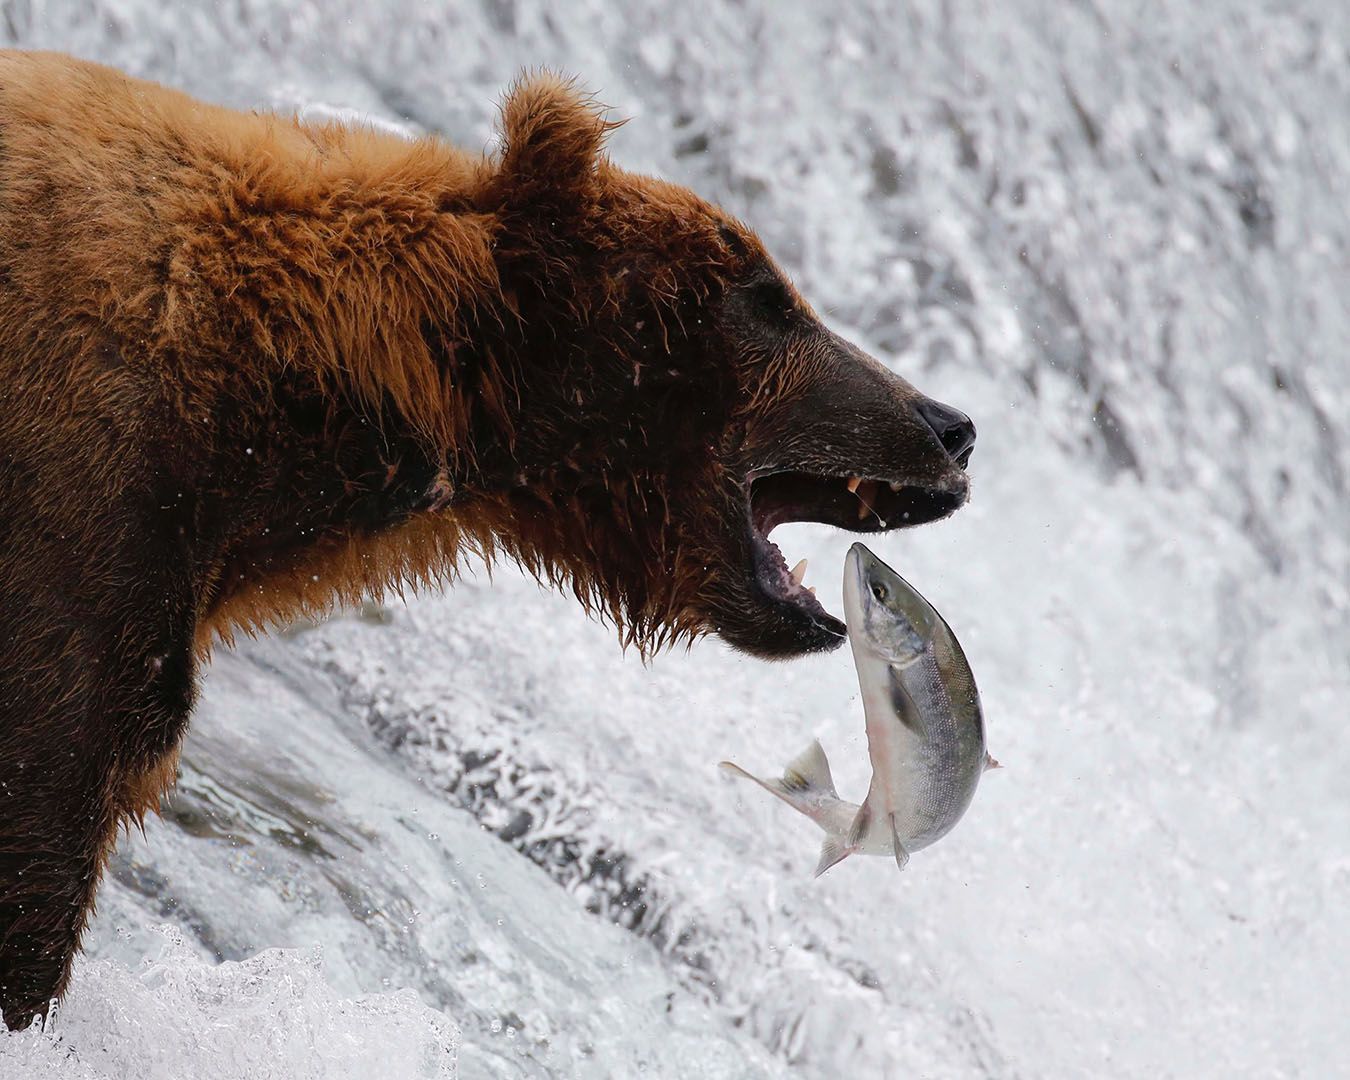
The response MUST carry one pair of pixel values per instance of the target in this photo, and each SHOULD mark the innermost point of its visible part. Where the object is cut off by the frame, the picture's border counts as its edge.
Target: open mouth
(854, 503)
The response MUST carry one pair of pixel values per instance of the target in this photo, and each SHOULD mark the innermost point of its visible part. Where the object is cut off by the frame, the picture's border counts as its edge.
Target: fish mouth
(848, 501)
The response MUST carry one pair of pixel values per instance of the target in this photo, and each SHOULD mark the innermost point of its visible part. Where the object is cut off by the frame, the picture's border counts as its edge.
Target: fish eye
(879, 591)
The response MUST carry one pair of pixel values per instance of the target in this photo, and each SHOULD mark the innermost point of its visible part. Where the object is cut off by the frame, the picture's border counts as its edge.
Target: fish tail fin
(834, 849)
(990, 762)
(805, 785)
(732, 769)
(810, 770)
(793, 796)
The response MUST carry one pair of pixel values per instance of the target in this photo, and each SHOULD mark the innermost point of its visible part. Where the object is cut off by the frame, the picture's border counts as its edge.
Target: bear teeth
(866, 491)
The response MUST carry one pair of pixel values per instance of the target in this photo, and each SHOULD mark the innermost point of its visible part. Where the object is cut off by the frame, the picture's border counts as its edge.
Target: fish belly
(933, 768)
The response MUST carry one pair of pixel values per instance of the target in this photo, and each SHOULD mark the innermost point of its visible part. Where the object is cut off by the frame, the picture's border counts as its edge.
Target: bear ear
(552, 135)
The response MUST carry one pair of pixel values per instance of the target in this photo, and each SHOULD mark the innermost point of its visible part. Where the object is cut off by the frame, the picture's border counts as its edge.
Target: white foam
(272, 1015)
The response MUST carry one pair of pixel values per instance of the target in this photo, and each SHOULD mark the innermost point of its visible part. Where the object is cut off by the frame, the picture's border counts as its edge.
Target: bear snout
(953, 428)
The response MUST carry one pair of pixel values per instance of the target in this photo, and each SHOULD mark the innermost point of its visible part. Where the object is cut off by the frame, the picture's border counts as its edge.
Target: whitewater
(466, 835)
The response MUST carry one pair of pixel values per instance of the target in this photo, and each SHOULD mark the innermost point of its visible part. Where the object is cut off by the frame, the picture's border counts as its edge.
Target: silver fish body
(925, 728)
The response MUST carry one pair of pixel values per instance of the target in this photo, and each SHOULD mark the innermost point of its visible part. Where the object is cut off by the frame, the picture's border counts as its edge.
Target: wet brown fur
(252, 368)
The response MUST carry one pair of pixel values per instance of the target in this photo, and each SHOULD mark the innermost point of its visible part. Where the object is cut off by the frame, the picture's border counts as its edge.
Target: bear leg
(91, 716)
(47, 884)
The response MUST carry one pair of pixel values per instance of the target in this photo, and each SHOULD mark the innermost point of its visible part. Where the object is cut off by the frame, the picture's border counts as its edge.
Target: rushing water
(1115, 233)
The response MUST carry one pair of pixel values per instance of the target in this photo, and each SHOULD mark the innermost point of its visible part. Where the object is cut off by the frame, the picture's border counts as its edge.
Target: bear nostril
(952, 427)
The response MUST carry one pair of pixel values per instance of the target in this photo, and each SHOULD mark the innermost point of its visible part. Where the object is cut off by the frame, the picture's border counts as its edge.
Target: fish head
(886, 617)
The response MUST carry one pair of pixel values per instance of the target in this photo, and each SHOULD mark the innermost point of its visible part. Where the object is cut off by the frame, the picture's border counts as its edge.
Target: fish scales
(942, 787)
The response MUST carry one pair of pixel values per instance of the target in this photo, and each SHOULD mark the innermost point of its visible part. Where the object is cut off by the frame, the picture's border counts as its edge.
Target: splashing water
(272, 1015)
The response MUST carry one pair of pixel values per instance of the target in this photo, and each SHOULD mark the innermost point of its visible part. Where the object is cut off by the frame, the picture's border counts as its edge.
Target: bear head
(654, 397)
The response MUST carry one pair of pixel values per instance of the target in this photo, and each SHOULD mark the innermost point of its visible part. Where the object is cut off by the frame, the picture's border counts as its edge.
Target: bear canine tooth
(853, 482)
(799, 572)
(866, 492)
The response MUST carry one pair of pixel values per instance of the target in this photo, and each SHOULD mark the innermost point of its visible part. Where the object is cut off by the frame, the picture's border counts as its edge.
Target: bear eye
(772, 298)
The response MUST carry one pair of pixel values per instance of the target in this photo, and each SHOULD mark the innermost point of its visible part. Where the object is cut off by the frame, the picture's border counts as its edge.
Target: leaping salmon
(925, 729)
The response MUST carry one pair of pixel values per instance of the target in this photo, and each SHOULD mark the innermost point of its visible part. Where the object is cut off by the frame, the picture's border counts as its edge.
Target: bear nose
(952, 427)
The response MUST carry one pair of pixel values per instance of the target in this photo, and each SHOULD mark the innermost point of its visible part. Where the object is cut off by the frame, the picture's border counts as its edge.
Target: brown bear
(251, 368)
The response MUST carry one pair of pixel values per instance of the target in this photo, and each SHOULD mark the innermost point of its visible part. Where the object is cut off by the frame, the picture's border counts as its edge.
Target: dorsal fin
(810, 769)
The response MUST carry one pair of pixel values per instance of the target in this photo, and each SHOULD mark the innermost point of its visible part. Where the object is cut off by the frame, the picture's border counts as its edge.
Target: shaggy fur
(251, 368)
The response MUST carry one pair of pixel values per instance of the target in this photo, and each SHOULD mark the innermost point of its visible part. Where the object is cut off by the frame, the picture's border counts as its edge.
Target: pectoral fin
(903, 707)
(832, 851)
(901, 855)
(989, 762)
